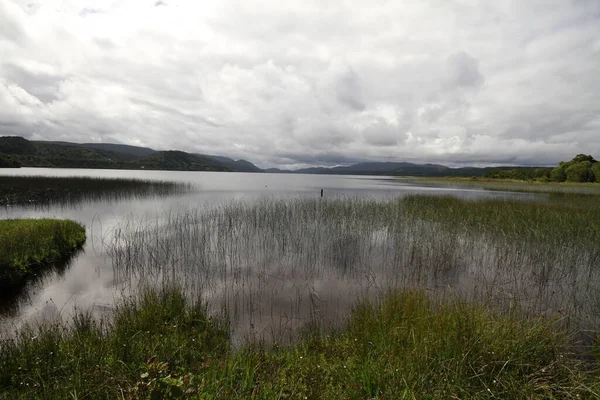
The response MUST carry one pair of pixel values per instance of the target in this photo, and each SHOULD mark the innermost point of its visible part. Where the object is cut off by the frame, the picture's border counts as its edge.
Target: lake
(91, 280)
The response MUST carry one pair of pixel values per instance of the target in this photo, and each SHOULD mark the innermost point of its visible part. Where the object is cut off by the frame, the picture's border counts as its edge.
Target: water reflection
(91, 280)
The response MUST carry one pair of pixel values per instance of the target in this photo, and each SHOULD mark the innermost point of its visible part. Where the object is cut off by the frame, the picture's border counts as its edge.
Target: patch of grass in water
(563, 219)
(29, 245)
(43, 190)
(161, 345)
(510, 185)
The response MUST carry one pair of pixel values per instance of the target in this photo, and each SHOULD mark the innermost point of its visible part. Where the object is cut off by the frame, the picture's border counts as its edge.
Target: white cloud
(300, 83)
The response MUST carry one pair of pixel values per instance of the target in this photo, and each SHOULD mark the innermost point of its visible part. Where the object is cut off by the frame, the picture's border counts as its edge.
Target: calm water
(89, 280)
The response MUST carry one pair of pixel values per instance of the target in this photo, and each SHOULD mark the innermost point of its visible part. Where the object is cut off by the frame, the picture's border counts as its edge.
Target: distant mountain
(52, 154)
(277, 171)
(379, 168)
(20, 151)
(396, 169)
(235, 165)
(180, 161)
(121, 148)
(108, 156)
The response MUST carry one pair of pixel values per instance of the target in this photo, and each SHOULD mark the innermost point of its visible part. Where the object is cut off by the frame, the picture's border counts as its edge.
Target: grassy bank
(406, 346)
(510, 185)
(29, 245)
(44, 190)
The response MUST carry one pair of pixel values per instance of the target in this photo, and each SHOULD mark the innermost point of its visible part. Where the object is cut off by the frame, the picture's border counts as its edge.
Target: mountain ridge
(59, 154)
(28, 153)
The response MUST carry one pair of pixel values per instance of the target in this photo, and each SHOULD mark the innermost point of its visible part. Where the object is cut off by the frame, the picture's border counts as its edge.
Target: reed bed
(510, 185)
(421, 297)
(36, 191)
(280, 264)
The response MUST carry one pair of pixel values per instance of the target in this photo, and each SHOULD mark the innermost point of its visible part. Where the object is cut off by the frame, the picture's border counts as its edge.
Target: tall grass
(510, 185)
(29, 245)
(279, 265)
(65, 191)
(422, 297)
(161, 345)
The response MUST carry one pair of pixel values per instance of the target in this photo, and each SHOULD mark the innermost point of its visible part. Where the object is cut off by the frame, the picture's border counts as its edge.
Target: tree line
(582, 168)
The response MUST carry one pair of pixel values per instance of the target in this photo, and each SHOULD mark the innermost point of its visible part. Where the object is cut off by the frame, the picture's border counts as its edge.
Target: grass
(30, 245)
(420, 297)
(510, 185)
(280, 262)
(43, 190)
(405, 346)
(562, 219)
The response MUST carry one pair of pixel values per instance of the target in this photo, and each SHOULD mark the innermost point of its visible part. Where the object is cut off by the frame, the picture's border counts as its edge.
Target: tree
(8, 162)
(596, 171)
(583, 157)
(558, 174)
(580, 172)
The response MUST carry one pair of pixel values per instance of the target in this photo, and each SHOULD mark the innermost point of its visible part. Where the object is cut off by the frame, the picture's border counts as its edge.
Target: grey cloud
(327, 158)
(463, 70)
(174, 111)
(348, 90)
(40, 84)
(308, 83)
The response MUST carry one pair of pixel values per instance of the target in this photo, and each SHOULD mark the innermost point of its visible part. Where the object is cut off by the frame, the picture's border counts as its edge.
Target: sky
(307, 83)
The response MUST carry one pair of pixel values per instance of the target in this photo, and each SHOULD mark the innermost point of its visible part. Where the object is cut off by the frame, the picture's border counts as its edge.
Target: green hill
(236, 165)
(134, 151)
(179, 161)
(107, 156)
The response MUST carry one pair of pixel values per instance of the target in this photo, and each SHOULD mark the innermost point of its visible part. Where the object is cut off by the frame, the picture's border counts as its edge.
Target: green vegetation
(8, 162)
(521, 174)
(567, 219)
(582, 168)
(162, 346)
(74, 155)
(179, 161)
(29, 245)
(542, 255)
(511, 185)
(420, 297)
(43, 190)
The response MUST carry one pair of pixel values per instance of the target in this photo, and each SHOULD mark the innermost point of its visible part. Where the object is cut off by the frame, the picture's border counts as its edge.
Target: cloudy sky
(296, 83)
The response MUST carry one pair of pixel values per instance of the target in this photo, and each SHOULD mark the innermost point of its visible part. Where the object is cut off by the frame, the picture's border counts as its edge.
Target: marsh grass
(64, 191)
(29, 245)
(279, 265)
(421, 297)
(160, 344)
(509, 185)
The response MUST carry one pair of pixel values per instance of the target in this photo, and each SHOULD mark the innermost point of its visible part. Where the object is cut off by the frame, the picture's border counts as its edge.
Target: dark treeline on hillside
(8, 162)
(17, 151)
(582, 168)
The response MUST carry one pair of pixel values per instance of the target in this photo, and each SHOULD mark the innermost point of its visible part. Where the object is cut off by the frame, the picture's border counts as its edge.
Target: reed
(278, 264)
(35, 191)
(509, 185)
(424, 296)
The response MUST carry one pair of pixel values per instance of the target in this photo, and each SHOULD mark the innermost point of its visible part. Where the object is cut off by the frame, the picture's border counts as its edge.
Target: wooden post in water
(321, 192)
